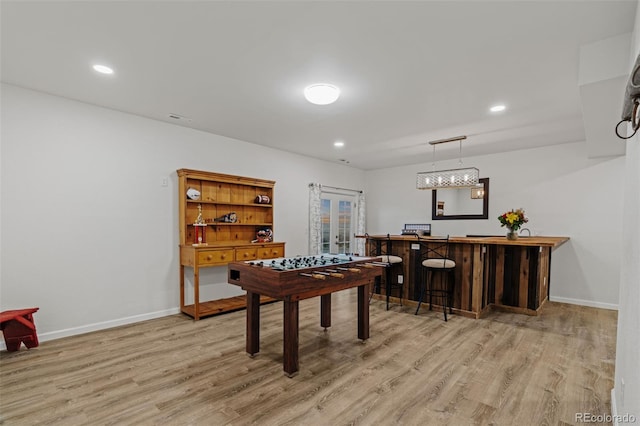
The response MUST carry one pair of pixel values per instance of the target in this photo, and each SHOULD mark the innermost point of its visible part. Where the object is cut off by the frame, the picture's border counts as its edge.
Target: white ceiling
(409, 72)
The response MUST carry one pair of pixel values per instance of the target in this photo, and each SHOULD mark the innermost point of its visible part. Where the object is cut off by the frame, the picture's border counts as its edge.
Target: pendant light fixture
(462, 177)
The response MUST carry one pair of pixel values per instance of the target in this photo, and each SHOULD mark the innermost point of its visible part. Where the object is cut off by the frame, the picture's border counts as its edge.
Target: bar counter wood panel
(517, 276)
(491, 272)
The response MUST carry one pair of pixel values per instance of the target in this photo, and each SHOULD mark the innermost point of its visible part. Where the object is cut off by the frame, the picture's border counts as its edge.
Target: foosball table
(297, 278)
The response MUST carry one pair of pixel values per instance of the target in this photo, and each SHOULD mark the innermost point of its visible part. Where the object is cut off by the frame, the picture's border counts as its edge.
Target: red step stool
(18, 327)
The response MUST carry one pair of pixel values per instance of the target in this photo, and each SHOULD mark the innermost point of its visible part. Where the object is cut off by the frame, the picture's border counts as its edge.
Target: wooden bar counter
(491, 272)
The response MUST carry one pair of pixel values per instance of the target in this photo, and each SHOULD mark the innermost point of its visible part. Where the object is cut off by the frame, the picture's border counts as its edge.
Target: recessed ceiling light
(103, 69)
(497, 108)
(338, 144)
(321, 93)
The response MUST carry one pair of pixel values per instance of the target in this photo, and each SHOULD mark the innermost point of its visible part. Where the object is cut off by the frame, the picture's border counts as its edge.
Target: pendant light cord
(433, 158)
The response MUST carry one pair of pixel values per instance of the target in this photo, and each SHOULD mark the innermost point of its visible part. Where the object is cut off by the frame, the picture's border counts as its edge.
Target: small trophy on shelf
(199, 230)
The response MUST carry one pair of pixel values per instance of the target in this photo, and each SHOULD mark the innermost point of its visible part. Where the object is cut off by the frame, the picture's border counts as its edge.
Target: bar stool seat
(439, 263)
(390, 259)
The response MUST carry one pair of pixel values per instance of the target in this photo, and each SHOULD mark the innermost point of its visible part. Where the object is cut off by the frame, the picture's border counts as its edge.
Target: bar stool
(384, 254)
(435, 255)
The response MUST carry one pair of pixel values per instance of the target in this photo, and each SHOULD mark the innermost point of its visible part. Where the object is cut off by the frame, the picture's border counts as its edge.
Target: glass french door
(338, 216)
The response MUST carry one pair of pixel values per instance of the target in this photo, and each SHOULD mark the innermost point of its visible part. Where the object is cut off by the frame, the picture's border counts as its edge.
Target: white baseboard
(581, 302)
(52, 335)
(614, 409)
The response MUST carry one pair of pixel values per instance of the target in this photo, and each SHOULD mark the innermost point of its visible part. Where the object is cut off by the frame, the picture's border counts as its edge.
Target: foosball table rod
(314, 276)
(335, 274)
(356, 270)
(372, 264)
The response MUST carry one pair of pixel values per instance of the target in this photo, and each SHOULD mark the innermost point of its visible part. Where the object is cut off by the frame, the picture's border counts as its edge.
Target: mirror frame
(485, 205)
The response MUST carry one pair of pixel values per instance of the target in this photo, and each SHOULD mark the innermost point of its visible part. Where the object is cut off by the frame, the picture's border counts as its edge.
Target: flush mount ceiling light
(451, 178)
(321, 93)
(103, 69)
(338, 144)
(497, 108)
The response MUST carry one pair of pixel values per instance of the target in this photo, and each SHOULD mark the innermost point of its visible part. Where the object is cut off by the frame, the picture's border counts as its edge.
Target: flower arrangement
(513, 219)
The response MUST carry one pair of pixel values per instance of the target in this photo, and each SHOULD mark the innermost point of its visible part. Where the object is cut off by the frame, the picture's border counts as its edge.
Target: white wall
(90, 236)
(626, 397)
(563, 194)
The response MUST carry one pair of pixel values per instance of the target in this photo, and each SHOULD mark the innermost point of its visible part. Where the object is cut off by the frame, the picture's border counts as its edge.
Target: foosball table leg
(363, 312)
(253, 323)
(290, 361)
(325, 311)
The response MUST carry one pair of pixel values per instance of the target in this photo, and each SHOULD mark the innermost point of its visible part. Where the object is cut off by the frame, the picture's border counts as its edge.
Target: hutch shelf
(220, 216)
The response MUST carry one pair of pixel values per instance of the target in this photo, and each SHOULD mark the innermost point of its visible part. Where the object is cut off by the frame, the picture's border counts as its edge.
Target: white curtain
(315, 224)
(359, 243)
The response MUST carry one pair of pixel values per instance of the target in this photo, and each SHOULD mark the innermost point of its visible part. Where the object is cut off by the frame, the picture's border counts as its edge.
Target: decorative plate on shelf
(193, 194)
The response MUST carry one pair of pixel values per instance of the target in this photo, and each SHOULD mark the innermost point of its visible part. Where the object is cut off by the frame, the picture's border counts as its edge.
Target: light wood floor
(506, 369)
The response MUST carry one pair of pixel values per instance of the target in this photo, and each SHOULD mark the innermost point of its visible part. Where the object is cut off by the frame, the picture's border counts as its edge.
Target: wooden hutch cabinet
(226, 212)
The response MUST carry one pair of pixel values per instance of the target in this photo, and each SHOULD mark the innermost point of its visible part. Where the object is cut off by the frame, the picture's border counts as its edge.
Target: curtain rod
(359, 191)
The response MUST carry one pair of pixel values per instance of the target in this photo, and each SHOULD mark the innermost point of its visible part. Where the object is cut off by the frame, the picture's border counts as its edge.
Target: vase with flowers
(513, 220)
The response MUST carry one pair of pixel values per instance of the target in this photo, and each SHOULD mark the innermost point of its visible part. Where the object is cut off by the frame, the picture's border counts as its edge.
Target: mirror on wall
(463, 203)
